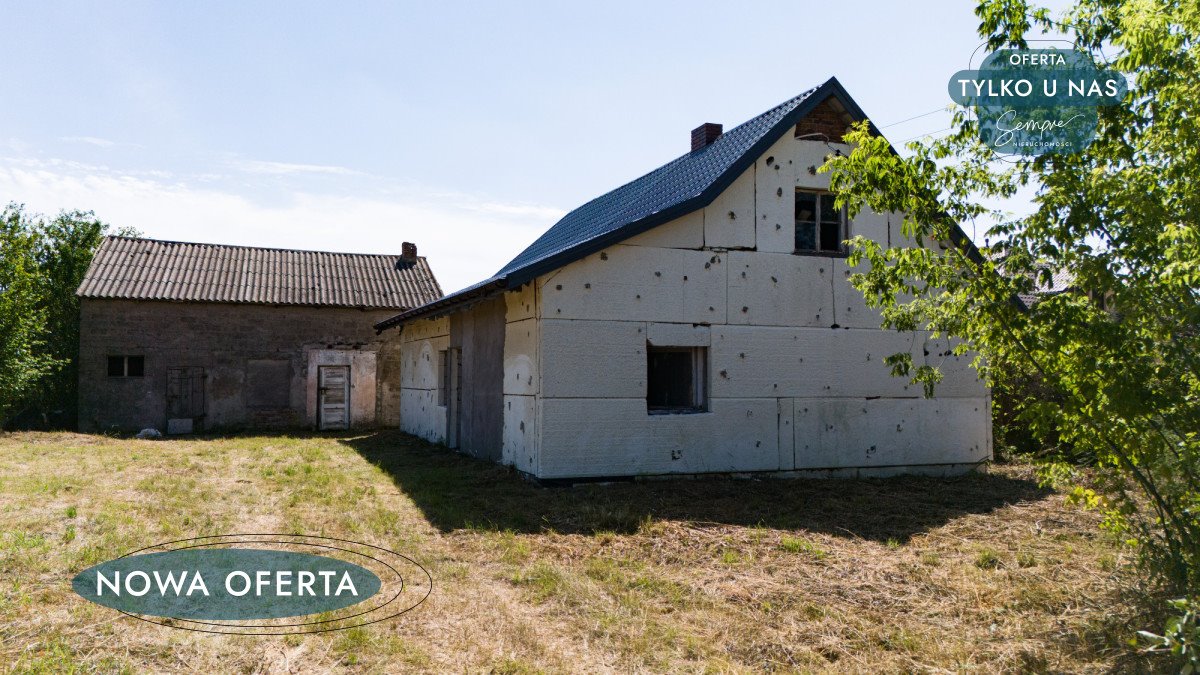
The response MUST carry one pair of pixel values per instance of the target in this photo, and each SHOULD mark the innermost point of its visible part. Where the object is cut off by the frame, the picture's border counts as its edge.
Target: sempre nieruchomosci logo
(258, 584)
(1037, 101)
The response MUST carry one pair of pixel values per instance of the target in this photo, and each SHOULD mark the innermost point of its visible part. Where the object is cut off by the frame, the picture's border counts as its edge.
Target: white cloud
(465, 238)
(88, 140)
(288, 169)
(534, 211)
(16, 145)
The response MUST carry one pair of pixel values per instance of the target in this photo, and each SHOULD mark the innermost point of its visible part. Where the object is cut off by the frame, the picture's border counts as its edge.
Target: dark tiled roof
(147, 269)
(675, 189)
(685, 178)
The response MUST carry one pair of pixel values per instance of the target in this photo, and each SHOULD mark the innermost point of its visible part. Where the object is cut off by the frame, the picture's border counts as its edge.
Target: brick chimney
(408, 255)
(704, 135)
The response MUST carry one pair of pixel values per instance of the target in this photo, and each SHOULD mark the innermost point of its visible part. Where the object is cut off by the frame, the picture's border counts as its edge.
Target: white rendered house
(697, 319)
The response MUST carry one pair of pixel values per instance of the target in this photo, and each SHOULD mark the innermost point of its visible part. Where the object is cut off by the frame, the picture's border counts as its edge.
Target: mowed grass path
(983, 573)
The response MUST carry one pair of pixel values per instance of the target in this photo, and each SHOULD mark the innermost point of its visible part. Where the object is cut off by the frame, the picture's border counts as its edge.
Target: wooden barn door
(333, 392)
(185, 399)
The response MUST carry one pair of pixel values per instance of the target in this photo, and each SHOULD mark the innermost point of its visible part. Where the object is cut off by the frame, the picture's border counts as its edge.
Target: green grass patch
(800, 545)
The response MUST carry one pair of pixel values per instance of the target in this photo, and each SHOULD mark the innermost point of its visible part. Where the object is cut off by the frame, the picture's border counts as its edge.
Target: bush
(1180, 638)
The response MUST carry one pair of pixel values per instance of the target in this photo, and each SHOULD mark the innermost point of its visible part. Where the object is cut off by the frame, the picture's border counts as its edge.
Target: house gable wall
(795, 358)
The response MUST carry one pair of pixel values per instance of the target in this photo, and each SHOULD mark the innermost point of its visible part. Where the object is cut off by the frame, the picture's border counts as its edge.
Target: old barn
(185, 337)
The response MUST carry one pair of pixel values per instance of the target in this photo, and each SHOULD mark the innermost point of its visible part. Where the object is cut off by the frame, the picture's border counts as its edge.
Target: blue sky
(468, 128)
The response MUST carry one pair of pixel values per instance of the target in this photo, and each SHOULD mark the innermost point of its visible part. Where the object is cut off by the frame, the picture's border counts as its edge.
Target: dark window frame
(126, 366)
(669, 397)
(822, 242)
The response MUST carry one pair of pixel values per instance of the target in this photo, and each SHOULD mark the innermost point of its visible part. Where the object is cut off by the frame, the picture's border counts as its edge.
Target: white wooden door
(333, 397)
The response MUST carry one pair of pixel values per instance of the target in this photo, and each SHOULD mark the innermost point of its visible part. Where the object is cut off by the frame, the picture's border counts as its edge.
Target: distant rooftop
(1059, 282)
(149, 269)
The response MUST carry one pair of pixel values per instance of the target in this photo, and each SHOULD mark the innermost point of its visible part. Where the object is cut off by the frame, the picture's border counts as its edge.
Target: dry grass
(984, 573)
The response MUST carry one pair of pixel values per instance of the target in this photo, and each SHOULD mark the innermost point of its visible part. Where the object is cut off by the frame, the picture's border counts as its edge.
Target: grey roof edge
(91, 270)
(249, 303)
(252, 248)
(517, 278)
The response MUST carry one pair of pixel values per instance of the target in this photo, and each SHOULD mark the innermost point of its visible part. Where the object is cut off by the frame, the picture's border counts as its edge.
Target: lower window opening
(676, 379)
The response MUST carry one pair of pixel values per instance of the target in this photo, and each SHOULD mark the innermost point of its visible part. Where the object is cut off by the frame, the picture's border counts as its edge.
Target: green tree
(50, 257)
(23, 360)
(66, 244)
(1122, 216)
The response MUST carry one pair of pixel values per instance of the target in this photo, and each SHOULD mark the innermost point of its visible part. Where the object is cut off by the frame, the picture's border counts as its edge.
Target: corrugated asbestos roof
(675, 189)
(148, 269)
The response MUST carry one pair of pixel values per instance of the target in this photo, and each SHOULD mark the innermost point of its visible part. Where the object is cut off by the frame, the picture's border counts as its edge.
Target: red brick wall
(825, 119)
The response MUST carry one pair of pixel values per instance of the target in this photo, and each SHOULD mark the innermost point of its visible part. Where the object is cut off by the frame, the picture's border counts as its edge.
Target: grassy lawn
(984, 573)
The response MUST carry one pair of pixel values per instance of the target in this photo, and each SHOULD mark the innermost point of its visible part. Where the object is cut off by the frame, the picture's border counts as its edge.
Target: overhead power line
(915, 117)
(928, 133)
